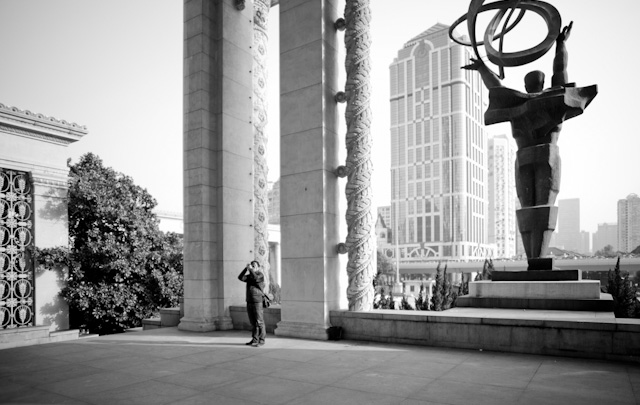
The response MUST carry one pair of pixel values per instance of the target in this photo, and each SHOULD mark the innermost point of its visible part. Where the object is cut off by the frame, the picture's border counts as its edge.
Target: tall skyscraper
(438, 149)
(502, 196)
(629, 223)
(385, 212)
(607, 234)
(568, 236)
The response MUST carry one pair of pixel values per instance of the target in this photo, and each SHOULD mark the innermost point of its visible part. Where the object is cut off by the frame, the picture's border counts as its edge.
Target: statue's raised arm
(489, 78)
(560, 76)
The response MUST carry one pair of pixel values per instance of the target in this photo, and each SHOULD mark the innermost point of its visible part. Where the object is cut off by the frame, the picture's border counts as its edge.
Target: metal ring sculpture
(549, 14)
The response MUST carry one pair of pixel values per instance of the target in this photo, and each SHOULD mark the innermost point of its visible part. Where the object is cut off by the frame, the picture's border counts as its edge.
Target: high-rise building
(568, 235)
(438, 149)
(607, 234)
(502, 196)
(385, 212)
(274, 202)
(629, 223)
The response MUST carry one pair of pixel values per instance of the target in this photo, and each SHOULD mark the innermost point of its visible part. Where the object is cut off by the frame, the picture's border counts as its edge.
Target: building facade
(502, 196)
(568, 236)
(607, 234)
(629, 223)
(438, 150)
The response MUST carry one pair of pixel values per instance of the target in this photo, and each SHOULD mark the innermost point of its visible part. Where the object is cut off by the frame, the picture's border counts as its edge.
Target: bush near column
(624, 293)
(121, 267)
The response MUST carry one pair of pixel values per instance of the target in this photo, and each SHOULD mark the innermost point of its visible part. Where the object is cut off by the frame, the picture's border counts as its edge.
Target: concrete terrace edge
(599, 338)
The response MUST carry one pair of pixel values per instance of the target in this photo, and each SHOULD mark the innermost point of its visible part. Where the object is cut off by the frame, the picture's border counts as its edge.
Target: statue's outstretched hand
(474, 65)
(564, 34)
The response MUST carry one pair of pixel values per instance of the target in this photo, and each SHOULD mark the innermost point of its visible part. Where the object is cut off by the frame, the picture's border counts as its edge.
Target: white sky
(116, 67)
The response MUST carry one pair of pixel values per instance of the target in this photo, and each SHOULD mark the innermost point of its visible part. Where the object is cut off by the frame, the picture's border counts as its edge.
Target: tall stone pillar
(218, 159)
(309, 216)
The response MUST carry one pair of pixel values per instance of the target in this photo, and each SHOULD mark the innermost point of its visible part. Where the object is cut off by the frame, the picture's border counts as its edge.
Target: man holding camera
(255, 284)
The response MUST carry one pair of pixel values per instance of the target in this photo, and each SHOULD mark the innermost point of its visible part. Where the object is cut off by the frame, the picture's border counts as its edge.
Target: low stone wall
(613, 339)
(34, 335)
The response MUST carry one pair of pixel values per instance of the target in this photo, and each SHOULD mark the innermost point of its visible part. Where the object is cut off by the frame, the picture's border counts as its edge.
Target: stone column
(309, 146)
(218, 159)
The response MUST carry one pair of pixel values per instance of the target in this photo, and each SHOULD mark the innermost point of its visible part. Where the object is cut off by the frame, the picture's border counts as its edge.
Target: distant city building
(382, 232)
(568, 229)
(274, 202)
(438, 150)
(502, 196)
(607, 234)
(385, 212)
(585, 242)
(629, 223)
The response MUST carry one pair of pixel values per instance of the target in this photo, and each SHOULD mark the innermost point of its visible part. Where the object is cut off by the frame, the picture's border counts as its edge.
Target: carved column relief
(360, 243)
(260, 171)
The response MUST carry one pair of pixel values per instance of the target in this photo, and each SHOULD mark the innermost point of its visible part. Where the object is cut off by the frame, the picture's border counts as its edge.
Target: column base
(205, 325)
(302, 330)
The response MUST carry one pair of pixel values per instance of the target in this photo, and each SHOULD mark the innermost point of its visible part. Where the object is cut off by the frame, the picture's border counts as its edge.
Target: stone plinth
(585, 289)
(537, 275)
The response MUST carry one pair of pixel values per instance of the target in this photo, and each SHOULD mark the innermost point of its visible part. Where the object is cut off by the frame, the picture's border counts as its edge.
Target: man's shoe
(260, 344)
(251, 343)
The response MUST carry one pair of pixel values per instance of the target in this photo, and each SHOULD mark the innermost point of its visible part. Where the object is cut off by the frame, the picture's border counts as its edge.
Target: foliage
(607, 251)
(422, 302)
(122, 268)
(625, 304)
(385, 302)
(487, 269)
(443, 295)
(275, 292)
(463, 288)
(404, 304)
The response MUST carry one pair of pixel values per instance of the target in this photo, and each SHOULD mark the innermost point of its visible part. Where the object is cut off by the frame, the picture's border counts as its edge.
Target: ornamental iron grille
(16, 264)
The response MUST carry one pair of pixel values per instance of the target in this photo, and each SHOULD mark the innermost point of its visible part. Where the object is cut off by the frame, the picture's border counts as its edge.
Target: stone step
(583, 289)
(602, 304)
(537, 275)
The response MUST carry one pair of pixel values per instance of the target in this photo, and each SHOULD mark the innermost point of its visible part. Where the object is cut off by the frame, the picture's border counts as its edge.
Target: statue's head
(534, 81)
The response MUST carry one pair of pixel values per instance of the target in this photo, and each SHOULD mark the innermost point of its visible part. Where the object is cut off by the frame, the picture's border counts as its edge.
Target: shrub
(623, 292)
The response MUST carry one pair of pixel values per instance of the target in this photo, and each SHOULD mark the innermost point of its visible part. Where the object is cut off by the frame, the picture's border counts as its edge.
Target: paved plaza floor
(166, 366)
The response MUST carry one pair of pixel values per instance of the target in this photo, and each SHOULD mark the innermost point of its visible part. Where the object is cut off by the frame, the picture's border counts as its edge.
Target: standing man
(255, 284)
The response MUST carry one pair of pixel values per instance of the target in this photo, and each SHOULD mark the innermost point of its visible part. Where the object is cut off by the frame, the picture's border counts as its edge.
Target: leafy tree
(443, 296)
(422, 302)
(607, 251)
(404, 304)
(625, 304)
(122, 268)
(487, 269)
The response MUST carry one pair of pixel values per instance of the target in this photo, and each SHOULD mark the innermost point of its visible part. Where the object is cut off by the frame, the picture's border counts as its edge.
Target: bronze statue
(536, 119)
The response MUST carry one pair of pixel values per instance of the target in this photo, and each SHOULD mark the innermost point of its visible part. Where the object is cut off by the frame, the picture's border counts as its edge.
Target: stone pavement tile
(258, 365)
(605, 386)
(163, 351)
(27, 364)
(347, 359)
(333, 395)
(161, 368)
(536, 396)
(514, 377)
(61, 350)
(378, 381)
(145, 392)
(36, 378)
(82, 356)
(117, 361)
(210, 357)
(510, 360)
(205, 379)
(434, 354)
(266, 389)
(411, 367)
(457, 393)
(94, 383)
(300, 355)
(411, 401)
(32, 395)
(209, 398)
(314, 373)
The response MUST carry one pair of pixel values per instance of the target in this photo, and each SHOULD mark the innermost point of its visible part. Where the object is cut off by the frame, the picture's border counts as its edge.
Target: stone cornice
(39, 126)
